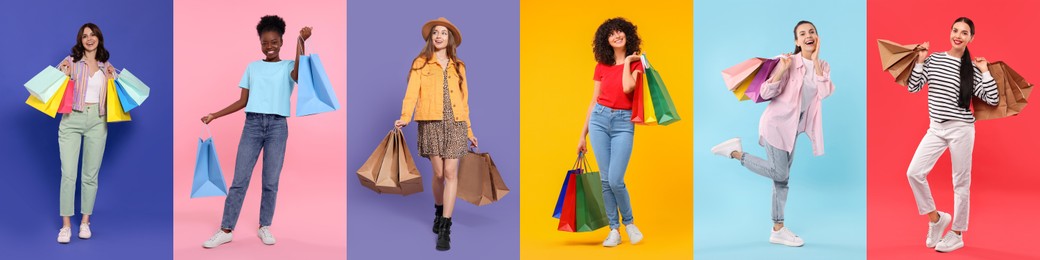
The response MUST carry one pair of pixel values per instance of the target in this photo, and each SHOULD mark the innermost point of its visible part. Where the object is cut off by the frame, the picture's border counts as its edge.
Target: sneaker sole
(715, 149)
(204, 246)
(778, 242)
(959, 246)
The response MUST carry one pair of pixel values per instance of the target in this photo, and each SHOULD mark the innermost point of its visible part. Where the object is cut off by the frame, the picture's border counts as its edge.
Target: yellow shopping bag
(649, 116)
(115, 109)
(51, 106)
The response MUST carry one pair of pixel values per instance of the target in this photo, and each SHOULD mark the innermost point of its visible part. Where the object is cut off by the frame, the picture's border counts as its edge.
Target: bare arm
(588, 116)
(628, 79)
(300, 50)
(234, 107)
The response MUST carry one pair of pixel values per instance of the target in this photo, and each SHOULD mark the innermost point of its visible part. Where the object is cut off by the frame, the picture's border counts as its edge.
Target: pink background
(213, 43)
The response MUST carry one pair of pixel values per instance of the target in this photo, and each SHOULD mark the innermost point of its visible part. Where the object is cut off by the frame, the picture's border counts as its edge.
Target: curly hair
(601, 44)
(270, 23)
(101, 54)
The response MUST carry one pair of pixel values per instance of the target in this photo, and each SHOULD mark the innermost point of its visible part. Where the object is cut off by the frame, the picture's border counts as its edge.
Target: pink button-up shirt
(779, 124)
(80, 73)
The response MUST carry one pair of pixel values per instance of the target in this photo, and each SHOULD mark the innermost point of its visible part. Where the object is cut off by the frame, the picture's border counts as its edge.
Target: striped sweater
(942, 74)
(80, 73)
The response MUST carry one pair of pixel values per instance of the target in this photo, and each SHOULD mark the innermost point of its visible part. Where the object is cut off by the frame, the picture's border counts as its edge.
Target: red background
(1005, 181)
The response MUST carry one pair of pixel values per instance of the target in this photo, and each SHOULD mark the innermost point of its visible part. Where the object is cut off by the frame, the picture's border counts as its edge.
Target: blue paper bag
(316, 94)
(209, 180)
(124, 99)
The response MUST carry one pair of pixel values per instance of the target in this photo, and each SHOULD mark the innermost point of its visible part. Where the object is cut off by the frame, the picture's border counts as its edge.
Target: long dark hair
(429, 49)
(101, 53)
(601, 44)
(798, 49)
(967, 68)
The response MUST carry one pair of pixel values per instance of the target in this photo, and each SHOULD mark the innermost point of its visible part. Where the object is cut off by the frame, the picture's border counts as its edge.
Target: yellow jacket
(425, 93)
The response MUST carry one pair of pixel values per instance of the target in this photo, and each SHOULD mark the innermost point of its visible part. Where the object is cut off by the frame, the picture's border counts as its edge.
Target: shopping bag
(134, 88)
(898, 59)
(1012, 89)
(46, 83)
(567, 213)
(595, 214)
(754, 89)
(209, 179)
(638, 105)
(50, 106)
(67, 97)
(664, 108)
(650, 116)
(391, 168)
(316, 94)
(114, 110)
(563, 192)
(124, 98)
(479, 181)
(739, 77)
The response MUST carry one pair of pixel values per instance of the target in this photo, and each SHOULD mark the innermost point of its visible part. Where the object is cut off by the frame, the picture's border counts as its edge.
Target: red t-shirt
(611, 90)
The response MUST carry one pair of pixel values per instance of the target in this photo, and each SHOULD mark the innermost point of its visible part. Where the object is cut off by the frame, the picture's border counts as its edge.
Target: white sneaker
(634, 236)
(218, 239)
(785, 237)
(952, 241)
(935, 230)
(725, 149)
(64, 235)
(613, 239)
(84, 230)
(265, 235)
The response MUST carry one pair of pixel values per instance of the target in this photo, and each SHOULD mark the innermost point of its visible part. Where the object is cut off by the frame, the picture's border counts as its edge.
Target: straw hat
(426, 28)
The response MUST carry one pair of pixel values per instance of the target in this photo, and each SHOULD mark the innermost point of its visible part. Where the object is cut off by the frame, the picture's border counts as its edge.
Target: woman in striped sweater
(953, 78)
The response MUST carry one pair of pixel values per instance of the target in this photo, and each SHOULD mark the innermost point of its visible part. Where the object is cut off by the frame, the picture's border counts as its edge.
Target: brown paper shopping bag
(898, 59)
(1012, 89)
(391, 168)
(479, 180)
(370, 170)
(408, 177)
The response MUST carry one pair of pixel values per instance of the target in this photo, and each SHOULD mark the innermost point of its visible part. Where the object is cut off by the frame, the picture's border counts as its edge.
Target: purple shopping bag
(753, 90)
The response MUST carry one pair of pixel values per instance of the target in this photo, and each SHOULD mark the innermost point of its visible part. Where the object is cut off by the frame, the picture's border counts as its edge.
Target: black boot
(437, 220)
(444, 235)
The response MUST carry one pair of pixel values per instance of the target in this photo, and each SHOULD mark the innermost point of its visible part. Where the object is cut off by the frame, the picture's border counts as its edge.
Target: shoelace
(214, 238)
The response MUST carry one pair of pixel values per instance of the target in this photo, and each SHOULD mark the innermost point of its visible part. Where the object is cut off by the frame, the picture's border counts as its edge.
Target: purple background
(134, 202)
(383, 37)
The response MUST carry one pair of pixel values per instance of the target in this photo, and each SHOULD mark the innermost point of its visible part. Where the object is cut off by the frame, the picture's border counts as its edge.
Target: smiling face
(805, 37)
(89, 39)
(960, 35)
(270, 44)
(617, 39)
(439, 37)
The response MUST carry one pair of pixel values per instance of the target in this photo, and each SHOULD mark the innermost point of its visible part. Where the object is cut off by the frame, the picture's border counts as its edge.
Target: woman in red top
(608, 124)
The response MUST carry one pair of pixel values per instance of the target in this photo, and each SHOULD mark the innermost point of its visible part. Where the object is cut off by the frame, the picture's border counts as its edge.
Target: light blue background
(827, 201)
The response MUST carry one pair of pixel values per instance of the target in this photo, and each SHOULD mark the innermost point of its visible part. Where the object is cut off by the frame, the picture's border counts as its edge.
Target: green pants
(87, 129)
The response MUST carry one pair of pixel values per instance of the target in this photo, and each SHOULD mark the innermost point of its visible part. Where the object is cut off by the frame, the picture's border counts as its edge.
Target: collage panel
(447, 72)
(578, 100)
(258, 161)
(780, 137)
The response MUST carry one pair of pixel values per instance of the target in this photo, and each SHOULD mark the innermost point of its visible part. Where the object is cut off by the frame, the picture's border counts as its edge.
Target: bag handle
(206, 128)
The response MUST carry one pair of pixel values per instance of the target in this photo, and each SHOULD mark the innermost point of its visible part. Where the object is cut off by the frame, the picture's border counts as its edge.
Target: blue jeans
(777, 168)
(267, 132)
(611, 132)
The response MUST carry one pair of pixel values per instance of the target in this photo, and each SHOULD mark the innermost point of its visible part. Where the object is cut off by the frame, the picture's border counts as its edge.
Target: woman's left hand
(305, 33)
(473, 142)
(982, 64)
(634, 57)
(111, 72)
(816, 53)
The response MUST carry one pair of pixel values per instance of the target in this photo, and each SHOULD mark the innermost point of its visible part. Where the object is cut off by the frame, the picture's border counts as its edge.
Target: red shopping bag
(567, 214)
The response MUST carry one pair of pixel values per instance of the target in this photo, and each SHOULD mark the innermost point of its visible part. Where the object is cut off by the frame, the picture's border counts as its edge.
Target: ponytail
(967, 80)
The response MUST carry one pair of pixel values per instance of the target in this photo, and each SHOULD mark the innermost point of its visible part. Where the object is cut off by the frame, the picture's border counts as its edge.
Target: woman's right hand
(399, 124)
(922, 52)
(581, 145)
(65, 67)
(208, 118)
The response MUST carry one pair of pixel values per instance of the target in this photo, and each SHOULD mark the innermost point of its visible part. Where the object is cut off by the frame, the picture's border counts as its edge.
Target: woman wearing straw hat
(439, 97)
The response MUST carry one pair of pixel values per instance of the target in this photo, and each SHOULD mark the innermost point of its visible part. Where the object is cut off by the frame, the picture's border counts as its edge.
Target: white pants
(960, 138)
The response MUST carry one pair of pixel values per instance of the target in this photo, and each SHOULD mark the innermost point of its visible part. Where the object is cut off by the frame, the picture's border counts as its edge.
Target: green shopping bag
(663, 105)
(591, 214)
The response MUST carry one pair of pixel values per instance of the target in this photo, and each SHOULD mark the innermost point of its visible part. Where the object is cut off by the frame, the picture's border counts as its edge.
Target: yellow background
(556, 67)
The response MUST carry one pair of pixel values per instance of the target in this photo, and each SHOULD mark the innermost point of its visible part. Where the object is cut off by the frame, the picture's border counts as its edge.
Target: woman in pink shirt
(797, 85)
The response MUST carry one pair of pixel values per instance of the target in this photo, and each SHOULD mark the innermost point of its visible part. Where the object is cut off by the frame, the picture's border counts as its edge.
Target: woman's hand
(110, 72)
(208, 118)
(473, 142)
(399, 124)
(66, 67)
(982, 64)
(305, 33)
(783, 64)
(816, 54)
(922, 52)
(631, 58)
(581, 144)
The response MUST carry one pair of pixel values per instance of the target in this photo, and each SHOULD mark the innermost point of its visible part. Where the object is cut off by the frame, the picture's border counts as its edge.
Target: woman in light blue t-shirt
(266, 87)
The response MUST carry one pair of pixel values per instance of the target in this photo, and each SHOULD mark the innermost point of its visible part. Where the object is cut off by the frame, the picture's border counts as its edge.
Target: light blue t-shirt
(270, 84)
